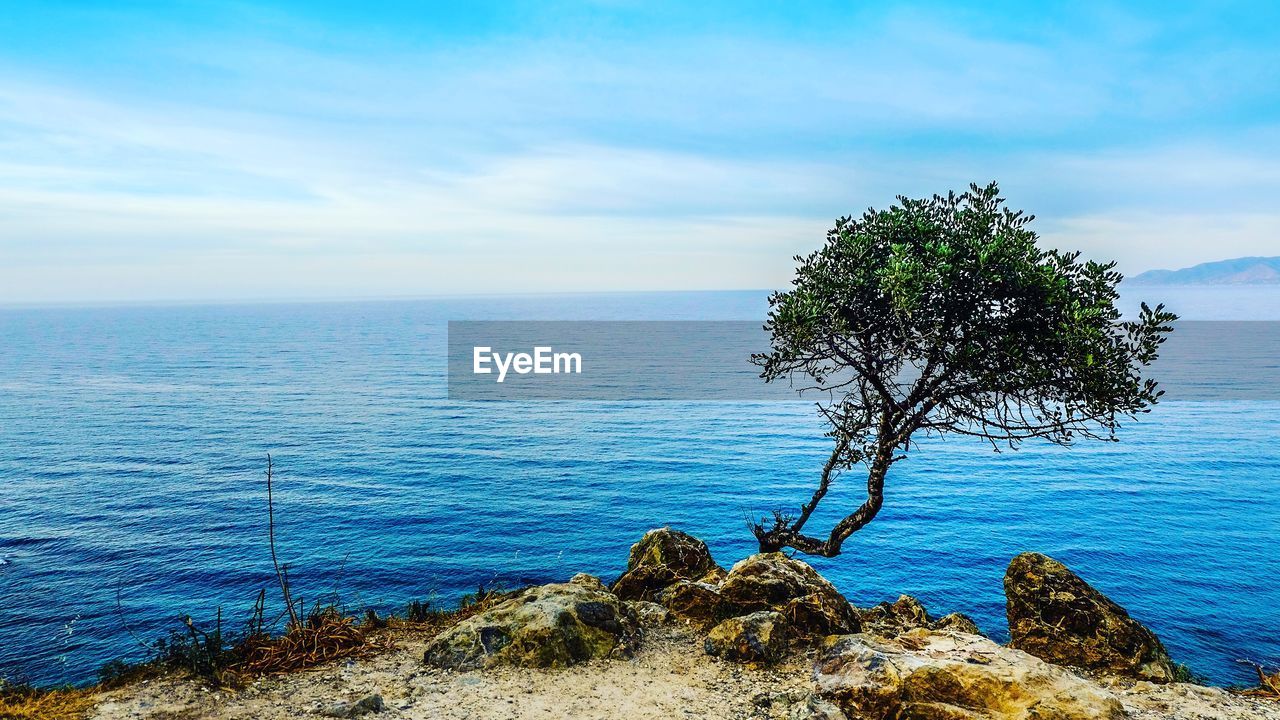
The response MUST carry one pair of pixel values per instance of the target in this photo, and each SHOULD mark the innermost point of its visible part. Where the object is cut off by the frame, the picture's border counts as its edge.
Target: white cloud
(694, 162)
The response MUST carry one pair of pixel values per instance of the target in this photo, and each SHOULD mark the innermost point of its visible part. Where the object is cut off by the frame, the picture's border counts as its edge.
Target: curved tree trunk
(782, 535)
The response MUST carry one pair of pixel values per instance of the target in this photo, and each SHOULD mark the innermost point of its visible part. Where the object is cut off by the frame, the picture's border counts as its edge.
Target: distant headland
(1237, 271)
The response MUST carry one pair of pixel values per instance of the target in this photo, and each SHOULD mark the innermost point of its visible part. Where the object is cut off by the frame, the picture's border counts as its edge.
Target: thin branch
(271, 537)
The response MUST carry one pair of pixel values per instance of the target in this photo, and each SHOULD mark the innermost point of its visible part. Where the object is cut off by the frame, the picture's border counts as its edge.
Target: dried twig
(1268, 684)
(271, 537)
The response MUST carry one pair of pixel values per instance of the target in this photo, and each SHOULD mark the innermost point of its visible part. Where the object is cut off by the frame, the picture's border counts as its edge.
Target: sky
(238, 150)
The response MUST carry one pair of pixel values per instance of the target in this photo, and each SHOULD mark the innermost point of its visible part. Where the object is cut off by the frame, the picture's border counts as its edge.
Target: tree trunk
(783, 536)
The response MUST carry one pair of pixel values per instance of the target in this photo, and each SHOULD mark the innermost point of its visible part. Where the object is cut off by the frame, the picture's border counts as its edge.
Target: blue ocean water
(133, 443)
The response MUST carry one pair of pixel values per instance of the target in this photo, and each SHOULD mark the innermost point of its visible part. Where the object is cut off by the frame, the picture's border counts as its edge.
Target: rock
(697, 603)
(958, 622)
(822, 614)
(364, 706)
(1058, 617)
(648, 614)
(662, 557)
(588, 581)
(907, 613)
(716, 576)
(758, 637)
(773, 581)
(544, 626)
(947, 675)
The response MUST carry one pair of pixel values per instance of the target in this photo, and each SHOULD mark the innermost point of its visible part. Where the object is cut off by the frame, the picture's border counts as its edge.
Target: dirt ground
(670, 677)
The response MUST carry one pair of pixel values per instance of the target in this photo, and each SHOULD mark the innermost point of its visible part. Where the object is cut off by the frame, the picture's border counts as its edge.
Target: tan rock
(820, 614)
(907, 613)
(697, 603)
(1055, 615)
(958, 622)
(648, 614)
(942, 675)
(715, 576)
(773, 581)
(661, 558)
(759, 637)
(545, 626)
(589, 581)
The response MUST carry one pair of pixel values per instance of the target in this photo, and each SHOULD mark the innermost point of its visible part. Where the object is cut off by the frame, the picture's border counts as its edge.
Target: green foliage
(947, 305)
(942, 315)
(419, 611)
(206, 654)
(1184, 674)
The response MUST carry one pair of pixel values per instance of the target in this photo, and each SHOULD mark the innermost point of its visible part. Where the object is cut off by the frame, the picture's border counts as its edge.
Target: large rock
(545, 626)
(758, 637)
(661, 558)
(773, 581)
(1058, 617)
(946, 675)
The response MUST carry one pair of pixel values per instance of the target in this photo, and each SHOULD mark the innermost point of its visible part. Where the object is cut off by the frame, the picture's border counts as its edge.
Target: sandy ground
(670, 678)
(1180, 701)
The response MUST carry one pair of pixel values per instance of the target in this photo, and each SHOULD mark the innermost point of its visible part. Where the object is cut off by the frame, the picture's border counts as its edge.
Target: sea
(134, 443)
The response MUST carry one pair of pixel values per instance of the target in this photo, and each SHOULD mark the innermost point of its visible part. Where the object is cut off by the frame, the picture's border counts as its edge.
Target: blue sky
(237, 150)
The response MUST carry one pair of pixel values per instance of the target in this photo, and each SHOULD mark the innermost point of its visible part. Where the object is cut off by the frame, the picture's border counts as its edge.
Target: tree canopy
(943, 316)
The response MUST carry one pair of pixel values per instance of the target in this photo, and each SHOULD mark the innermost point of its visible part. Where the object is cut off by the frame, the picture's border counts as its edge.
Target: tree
(942, 316)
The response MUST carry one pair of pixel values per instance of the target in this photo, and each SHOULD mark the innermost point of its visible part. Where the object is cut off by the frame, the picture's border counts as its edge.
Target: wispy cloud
(281, 153)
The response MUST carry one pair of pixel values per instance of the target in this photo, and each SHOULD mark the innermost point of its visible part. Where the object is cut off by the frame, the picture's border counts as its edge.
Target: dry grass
(24, 703)
(326, 636)
(1268, 684)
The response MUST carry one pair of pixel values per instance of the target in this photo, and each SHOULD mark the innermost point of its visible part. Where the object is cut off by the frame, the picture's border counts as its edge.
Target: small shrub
(326, 635)
(1184, 674)
(419, 612)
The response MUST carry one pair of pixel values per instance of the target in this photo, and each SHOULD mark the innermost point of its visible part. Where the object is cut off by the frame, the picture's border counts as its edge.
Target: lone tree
(941, 316)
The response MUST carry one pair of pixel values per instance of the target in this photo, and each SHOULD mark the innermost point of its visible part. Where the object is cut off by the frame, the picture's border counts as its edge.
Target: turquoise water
(133, 440)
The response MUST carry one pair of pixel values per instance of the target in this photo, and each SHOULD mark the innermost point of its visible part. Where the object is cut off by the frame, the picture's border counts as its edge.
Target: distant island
(1238, 271)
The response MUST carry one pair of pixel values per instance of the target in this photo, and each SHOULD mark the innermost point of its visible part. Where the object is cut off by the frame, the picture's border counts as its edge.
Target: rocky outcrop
(820, 614)
(758, 637)
(695, 602)
(714, 576)
(588, 581)
(1058, 617)
(773, 581)
(948, 675)
(661, 558)
(815, 708)
(545, 626)
(958, 622)
(907, 613)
